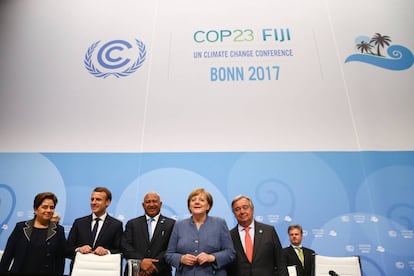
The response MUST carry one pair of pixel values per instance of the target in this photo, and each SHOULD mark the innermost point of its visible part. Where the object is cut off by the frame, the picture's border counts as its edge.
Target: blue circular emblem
(110, 61)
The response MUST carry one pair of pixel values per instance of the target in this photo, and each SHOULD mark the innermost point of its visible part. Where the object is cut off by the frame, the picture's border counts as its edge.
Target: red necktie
(248, 244)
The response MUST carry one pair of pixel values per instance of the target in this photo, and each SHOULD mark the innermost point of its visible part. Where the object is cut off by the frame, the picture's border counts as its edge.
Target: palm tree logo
(365, 46)
(380, 41)
(395, 57)
(377, 40)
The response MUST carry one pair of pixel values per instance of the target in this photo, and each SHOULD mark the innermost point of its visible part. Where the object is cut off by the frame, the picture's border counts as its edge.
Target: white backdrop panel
(173, 103)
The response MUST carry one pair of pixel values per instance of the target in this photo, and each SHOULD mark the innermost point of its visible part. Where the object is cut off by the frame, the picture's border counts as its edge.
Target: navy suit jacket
(52, 255)
(291, 258)
(267, 253)
(136, 245)
(109, 237)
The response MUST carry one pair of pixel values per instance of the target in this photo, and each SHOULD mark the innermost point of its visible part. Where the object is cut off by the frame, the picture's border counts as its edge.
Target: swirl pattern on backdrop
(165, 181)
(27, 174)
(381, 189)
(7, 205)
(282, 185)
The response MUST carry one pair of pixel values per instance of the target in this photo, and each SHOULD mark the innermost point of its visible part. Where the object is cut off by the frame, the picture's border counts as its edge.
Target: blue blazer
(136, 245)
(52, 255)
(213, 237)
(109, 237)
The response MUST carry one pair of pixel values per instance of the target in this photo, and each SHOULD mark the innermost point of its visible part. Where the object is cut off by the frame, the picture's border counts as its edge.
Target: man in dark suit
(98, 233)
(266, 257)
(147, 243)
(294, 253)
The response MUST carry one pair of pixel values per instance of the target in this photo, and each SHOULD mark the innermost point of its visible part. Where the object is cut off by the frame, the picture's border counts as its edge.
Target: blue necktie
(150, 220)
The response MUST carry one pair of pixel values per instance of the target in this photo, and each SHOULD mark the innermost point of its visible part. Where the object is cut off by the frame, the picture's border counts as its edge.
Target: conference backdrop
(305, 106)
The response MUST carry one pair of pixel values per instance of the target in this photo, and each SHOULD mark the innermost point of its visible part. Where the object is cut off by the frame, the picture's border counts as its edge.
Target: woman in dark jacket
(36, 246)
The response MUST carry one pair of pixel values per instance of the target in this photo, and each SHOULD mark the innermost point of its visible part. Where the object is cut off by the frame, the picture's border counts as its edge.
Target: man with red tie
(257, 245)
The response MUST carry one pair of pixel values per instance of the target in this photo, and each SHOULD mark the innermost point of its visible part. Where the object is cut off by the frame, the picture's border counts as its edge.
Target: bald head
(152, 204)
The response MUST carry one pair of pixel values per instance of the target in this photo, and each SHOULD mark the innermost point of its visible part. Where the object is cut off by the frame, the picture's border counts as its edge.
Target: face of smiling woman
(199, 205)
(45, 211)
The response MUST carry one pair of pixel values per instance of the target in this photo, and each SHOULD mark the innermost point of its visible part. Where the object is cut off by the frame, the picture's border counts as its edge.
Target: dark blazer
(136, 245)
(291, 258)
(267, 253)
(52, 254)
(109, 237)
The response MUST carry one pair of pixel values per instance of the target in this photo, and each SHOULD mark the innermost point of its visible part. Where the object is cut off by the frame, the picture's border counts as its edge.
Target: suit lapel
(258, 238)
(51, 230)
(236, 236)
(296, 257)
(158, 228)
(105, 226)
(89, 223)
(141, 227)
(28, 229)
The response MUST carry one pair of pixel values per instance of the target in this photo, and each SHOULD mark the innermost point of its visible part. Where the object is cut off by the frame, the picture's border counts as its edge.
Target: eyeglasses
(238, 209)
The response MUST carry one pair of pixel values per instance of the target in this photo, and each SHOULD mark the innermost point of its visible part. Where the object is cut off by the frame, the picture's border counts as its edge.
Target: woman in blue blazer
(200, 245)
(36, 246)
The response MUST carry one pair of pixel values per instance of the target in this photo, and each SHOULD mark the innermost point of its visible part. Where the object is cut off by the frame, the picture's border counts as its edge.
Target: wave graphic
(400, 58)
(7, 204)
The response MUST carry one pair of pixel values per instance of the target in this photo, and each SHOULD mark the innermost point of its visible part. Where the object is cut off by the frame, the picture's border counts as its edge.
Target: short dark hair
(104, 190)
(42, 196)
(200, 191)
(295, 226)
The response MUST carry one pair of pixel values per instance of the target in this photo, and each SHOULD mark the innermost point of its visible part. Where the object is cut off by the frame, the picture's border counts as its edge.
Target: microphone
(333, 273)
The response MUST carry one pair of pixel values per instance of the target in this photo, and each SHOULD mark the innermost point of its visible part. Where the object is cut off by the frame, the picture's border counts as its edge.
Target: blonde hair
(200, 191)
